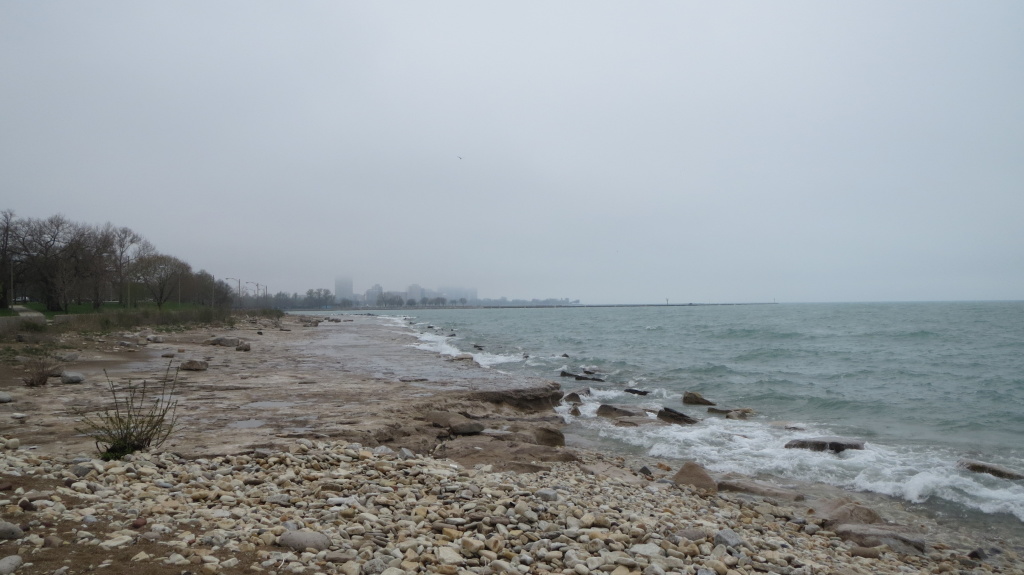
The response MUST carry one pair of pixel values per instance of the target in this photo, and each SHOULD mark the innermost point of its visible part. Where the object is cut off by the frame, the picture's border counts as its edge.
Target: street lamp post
(239, 287)
(257, 284)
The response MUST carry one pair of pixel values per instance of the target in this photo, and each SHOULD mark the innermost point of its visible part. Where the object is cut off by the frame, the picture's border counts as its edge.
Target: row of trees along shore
(61, 263)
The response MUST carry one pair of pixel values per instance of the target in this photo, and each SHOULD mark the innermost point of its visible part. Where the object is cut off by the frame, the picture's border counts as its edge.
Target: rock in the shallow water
(579, 377)
(244, 346)
(194, 365)
(10, 564)
(71, 377)
(576, 396)
(694, 398)
(302, 540)
(672, 416)
(635, 391)
(836, 444)
(5, 397)
(694, 474)
(613, 411)
(10, 531)
(549, 436)
(990, 468)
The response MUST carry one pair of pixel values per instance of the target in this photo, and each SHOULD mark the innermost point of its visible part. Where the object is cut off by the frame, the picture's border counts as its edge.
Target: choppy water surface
(925, 384)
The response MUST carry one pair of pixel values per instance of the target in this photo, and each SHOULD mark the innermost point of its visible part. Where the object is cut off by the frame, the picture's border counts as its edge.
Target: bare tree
(46, 248)
(160, 273)
(125, 247)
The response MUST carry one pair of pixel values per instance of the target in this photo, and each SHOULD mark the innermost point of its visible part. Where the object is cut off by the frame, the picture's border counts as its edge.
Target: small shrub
(143, 416)
(39, 369)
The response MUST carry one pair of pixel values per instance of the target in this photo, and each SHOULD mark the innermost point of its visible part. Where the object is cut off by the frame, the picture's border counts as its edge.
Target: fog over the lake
(610, 152)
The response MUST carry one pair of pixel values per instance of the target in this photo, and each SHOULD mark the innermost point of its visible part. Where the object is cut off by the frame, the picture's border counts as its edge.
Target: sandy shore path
(359, 379)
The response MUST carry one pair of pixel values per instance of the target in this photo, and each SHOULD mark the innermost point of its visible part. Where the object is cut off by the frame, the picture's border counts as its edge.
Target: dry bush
(143, 416)
(39, 369)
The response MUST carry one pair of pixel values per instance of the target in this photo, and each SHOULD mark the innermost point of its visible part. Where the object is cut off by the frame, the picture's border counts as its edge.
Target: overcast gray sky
(616, 152)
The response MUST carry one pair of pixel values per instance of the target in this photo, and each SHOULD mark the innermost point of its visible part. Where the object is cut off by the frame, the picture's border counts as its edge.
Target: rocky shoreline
(461, 470)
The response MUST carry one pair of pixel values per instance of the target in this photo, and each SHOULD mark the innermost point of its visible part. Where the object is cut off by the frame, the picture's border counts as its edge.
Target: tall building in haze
(343, 288)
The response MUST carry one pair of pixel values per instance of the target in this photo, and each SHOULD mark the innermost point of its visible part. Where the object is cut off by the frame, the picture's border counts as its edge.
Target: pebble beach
(320, 504)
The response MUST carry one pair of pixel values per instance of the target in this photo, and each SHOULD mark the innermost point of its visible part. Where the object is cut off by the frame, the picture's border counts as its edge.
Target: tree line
(61, 263)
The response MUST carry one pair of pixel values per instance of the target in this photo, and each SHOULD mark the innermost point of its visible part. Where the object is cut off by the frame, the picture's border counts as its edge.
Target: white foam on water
(755, 448)
(436, 343)
(491, 359)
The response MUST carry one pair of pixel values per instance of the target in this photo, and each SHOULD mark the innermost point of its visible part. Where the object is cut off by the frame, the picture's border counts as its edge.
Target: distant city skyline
(344, 289)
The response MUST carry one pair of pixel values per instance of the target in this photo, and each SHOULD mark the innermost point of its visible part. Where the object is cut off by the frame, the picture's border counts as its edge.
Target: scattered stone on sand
(694, 474)
(10, 564)
(302, 540)
(336, 507)
(5, 397)
(194, 365)
(222, 340)
(71, 377)
(10, 531)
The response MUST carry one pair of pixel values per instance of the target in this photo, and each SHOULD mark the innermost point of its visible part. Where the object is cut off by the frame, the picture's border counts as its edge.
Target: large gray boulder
(194, 365)
(10, 531)
(302, 540)
(70, 377)
(10, 564)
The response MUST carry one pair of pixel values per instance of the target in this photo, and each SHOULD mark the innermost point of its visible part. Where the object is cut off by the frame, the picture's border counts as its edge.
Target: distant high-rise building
(343, 288)
(414, 292)
(373, 294)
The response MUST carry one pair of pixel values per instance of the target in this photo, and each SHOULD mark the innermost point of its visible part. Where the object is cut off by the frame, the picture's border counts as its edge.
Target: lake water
(924, 384)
